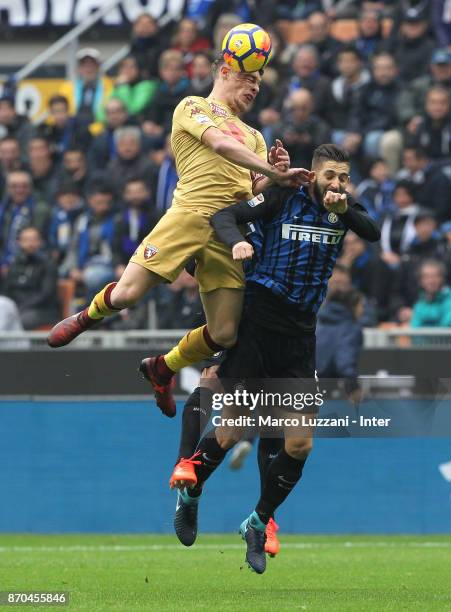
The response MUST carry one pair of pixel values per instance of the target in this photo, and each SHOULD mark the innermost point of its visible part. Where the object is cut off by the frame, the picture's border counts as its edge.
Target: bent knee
(226, 336)
(125, 295)
(298, 448)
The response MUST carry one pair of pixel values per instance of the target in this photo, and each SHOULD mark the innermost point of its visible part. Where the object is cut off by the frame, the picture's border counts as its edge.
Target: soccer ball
(246, 48)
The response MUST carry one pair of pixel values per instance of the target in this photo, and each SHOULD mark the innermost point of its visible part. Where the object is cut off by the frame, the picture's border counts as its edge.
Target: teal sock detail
(187, 499)
(256, 522)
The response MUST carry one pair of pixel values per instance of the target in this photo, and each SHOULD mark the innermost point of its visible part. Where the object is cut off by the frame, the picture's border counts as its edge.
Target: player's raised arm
(239, 154)
(353, 214)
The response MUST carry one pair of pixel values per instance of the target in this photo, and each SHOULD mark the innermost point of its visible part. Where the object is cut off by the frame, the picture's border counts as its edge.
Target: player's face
(243, 88)
(331, 176)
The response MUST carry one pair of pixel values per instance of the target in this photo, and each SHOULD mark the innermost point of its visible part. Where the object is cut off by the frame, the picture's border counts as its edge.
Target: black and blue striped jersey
(296, 242)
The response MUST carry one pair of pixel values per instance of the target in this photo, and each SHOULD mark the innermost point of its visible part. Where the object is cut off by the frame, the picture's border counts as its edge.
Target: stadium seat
(344, 30)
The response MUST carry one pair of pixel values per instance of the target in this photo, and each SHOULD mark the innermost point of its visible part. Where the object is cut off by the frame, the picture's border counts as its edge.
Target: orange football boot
(272, 544)
(184, 473)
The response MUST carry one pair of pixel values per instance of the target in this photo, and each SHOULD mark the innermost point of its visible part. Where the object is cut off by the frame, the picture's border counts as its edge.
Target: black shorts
(265, 361)
(262, 353)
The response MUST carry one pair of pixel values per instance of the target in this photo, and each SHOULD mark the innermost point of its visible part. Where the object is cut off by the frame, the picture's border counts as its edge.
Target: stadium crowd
(80, 190)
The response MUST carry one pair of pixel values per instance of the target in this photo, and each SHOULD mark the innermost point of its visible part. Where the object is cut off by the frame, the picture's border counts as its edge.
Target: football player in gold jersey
(220, 160)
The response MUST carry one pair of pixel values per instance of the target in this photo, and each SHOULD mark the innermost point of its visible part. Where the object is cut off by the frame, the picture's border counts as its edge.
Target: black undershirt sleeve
(358, 220)
(227, 220)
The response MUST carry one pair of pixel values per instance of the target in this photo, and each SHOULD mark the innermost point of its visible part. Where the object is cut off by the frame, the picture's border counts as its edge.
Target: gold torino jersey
(207, 181)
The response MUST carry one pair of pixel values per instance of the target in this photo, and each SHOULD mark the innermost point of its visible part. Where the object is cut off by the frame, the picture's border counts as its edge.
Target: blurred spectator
(135, 91)
(62, 130)
(179, 305)
(148, 43)
(445, 251)
(224, 23)
(167, 178)
(432, 132)
(138, 217)
(343, 99)
(441, 18)
(341, 280)
(433, 181)
(376, 192)
(411, 46)
(18, 210)
(426, 244)
(9, 316)
(188, 41)
(306, 75)
(89, 92)
(14, 125)
(31, 281)
(89, 259)
(208, 13)
(398, 230)
(301, 131)
(201, 82)
(339, 339)
(413, 96)
(369, 273)
(433, 308)
(74, 169)
(130, 161)
(69, 205)
(172, 89)
(103, 147)
(376, 113)
(9, 159)
(370, 39)
(326, 46)
(42, 170)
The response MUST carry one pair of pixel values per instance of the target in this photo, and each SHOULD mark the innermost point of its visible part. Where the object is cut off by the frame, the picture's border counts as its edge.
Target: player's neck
(218, 94)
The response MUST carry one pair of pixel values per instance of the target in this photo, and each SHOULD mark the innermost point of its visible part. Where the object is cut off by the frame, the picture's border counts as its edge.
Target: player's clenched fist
(242, 250)
(335, 202)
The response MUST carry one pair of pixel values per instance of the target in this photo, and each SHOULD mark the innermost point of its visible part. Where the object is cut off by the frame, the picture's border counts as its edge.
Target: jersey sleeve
(194, 116)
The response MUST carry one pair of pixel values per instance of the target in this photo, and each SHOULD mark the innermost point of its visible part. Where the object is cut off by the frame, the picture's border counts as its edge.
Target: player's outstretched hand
(242, 250)
(335, 202)
(279, 156)
(294, 177)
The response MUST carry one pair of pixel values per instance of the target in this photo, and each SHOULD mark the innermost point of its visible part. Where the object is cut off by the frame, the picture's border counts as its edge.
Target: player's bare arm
(239, 154)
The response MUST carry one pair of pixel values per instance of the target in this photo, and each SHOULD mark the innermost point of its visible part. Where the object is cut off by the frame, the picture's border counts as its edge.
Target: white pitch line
(219, 547)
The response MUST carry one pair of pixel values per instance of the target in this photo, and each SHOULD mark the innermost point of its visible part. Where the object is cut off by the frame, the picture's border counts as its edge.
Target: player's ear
(312, 176)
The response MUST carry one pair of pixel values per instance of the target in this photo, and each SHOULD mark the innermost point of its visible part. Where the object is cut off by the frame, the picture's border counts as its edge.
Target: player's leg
(132, 285)
(214, 445)
(269, 445)
(293, 358)
(159, 258)
(221, 284)
(195, 417)
(223, 311)
(284, 472)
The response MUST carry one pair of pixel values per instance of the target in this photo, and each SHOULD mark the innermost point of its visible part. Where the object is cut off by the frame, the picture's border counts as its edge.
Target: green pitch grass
(128, 573)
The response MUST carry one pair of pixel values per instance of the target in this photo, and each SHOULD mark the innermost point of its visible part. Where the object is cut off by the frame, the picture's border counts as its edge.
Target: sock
(267, 450)
(187, 498)
(211, 456)
(195, 416)
(101, 305)
(256, 522)
(195, 346)
(282, 476)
